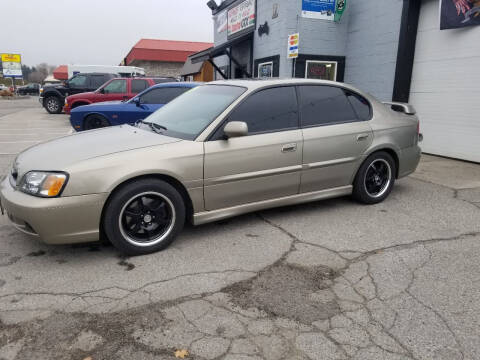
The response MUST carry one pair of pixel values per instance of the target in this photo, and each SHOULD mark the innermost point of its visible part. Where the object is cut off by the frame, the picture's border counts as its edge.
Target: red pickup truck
(115, 89)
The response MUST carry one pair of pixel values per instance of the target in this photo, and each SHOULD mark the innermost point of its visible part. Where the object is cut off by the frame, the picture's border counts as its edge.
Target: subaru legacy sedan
(219, 150)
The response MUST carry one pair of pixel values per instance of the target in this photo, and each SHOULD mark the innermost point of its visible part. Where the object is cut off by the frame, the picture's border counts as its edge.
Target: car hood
(81, 95)
(58, 154)
(98, 106)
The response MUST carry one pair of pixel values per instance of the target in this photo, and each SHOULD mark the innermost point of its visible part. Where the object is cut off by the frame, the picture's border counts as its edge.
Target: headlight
(43, 184)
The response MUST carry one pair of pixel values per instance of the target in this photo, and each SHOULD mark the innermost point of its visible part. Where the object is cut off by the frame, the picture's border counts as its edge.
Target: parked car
(52, 98)
(219, 150)
(115, 89)
(116, 112)
(30, 89)
(3, 87)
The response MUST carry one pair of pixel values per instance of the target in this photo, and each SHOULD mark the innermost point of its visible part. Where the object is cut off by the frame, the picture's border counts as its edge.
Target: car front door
(336, 133)
(263, 165)
(77, 84)
(149, 102)
(114, 90)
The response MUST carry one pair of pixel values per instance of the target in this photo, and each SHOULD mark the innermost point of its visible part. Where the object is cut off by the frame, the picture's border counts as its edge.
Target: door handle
(289, 148)
(362, 137)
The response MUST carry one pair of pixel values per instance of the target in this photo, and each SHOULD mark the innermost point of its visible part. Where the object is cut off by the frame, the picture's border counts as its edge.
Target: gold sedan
(219, 150)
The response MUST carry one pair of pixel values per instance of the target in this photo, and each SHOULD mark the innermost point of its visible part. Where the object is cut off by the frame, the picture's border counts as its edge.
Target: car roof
(260, 83)
(188, 84)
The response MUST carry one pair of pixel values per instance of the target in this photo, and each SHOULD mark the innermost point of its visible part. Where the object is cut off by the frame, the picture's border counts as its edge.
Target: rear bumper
(63, 220)
(409, 160)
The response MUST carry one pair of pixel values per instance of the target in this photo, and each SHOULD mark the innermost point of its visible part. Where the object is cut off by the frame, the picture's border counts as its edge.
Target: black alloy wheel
(95, 122)
(144, 216)
(375, 178)
(147, 218)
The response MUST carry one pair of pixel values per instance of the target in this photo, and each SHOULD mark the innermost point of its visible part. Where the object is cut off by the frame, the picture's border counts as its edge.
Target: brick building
(394, 49)
(162, 57)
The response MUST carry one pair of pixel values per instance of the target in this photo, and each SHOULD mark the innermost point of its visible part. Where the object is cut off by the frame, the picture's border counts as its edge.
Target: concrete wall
(158, 68)
(367, 36)
(372, 44)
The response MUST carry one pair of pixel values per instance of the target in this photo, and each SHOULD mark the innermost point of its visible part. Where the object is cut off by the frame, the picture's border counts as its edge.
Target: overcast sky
(99, 32)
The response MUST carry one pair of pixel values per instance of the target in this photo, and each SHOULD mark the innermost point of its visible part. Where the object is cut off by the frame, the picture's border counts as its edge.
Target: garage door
(446, 86)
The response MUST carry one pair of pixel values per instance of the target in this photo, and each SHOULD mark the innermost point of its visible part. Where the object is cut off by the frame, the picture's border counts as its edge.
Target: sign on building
(241, 17)
(293, 43)
(221, 22)
(319, 9)
(459, 13)
(11, 65)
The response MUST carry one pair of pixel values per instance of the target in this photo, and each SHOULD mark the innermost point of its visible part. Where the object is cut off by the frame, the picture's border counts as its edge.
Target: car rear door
(264, 165)
(336, 134)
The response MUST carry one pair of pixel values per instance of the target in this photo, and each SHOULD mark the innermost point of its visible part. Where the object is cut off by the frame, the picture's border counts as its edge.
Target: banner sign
(339, 9)
(293, 42)
(11, 65)
(241, 17)
(221, 22)
(459, 13)
(319, 9)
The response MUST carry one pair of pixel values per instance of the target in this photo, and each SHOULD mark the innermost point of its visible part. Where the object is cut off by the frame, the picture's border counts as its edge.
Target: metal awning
(223, 49)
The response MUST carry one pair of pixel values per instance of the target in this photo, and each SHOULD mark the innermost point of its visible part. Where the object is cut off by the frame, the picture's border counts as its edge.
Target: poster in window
(319, 9)
(459, 13)
(265, 70)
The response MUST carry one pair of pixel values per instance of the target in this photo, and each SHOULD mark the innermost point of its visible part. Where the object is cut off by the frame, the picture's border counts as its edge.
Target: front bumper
(63, 220)
(40, 100)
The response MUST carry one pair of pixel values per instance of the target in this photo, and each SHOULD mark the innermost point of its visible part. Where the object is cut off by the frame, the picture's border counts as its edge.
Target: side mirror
(102, 91)
(136, 101)
(235, 129)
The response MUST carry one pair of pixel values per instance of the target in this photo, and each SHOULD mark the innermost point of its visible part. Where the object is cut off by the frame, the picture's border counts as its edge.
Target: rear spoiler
(401, 107)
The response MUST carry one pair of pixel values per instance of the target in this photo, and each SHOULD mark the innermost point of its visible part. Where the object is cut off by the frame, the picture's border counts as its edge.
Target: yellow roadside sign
(11, 58)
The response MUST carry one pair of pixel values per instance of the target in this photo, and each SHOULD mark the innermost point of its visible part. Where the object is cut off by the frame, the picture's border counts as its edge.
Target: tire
(95, 122)
(53, 105)
(144, 216)
(375, 179)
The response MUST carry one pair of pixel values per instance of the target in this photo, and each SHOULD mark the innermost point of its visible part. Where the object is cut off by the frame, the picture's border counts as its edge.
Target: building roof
(61, 72)
(164, 50)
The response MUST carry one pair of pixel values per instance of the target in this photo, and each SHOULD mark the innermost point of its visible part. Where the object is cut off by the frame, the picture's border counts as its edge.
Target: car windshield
(189, 114)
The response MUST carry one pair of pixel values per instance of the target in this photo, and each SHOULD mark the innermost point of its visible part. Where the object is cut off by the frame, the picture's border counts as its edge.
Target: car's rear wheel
(95, 122)
(144, 216)
(53, 105)
(375, 178)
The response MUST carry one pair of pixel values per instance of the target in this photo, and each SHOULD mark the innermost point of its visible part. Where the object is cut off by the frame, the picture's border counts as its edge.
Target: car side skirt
(215, 215)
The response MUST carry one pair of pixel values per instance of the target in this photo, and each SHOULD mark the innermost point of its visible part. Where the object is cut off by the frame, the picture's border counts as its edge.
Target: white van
(122, 71)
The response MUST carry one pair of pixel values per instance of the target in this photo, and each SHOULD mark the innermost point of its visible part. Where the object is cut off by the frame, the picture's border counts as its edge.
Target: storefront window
(265, 70)
(323, 70)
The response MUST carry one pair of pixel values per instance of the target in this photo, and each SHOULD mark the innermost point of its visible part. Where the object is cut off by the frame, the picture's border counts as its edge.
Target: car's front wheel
(144, 216)
(95, 122)
(375, 178)
(53, 105)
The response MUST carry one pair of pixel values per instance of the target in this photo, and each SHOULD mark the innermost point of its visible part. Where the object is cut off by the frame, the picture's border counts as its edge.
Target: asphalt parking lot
(327, 280)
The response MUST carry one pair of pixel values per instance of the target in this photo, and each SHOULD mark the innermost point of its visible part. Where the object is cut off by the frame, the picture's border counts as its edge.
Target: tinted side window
(162, 95)
(268, 110)
(323, 105)
(139, 85)
(116, 87)
(79, 81)
(97, 81)
(360, 105)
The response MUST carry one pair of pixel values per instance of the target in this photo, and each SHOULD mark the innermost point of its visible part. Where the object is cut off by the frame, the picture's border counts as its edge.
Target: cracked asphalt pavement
(326, 280)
